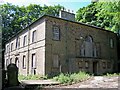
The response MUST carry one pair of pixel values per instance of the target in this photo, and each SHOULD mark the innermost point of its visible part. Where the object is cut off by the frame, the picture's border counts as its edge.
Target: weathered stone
(12, 74)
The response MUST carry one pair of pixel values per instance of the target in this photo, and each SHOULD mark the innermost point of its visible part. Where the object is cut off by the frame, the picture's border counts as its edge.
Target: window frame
(10, 60)
(34, 37)
(24, 62)
(17, 42)
(80, 64)
(56, 33)
(7, 48)
(86, 64)
(24, 40)
(34, 62)
(11, 46)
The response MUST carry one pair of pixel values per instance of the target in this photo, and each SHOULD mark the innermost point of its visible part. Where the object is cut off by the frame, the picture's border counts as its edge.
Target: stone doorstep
(39, 82)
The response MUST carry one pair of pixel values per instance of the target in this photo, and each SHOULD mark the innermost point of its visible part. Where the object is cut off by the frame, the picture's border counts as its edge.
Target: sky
(68, 4)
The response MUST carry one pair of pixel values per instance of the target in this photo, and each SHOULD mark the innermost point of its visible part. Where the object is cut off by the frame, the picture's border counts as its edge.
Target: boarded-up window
(33, 61)
(55, 61)
(24, 62)
(56, 33)
(111, 43)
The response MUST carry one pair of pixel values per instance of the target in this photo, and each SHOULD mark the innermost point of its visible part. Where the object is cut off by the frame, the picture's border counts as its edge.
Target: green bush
(71, 78)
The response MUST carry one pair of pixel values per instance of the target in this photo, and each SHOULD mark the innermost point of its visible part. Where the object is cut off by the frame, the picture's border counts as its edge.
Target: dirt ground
(93, 82)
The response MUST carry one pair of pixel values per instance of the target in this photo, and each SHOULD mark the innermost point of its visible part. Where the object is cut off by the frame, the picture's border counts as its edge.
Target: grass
(71, 78)
(31, 77)
(112, 74)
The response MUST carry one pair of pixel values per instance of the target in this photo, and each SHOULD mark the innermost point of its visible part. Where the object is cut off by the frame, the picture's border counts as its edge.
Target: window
(10, 60)
(88, 48)
(7, 48)
(34, 36)
(80, 64)
(11, 46)
(17, 42)
(111, 43)
(82, 50)
(25, 40)
(104, 65)
(24, 62)
(86, 64)
(33, 61)
(56, 33)
(55, 61)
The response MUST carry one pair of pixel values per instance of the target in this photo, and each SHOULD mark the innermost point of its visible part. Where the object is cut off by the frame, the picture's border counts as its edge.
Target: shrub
(71, 78)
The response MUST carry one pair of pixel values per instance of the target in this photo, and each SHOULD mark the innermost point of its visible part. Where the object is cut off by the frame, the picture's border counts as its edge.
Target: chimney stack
(67, 14)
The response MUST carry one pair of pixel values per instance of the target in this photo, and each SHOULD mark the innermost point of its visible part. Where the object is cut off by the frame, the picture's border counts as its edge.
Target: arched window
(89, 39)
(88, 48)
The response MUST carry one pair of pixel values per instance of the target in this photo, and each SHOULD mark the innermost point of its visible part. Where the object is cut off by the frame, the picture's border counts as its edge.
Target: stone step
(33, 84)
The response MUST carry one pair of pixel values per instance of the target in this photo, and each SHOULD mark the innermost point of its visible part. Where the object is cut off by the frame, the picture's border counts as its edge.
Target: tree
(102, 14)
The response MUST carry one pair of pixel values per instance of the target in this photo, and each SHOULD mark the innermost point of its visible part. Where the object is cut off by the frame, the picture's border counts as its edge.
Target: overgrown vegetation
(31, 77)
(112, 74)
(62, 78)
(71, 78)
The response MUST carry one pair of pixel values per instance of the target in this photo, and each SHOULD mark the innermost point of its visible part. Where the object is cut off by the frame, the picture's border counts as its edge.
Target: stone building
(52, 45)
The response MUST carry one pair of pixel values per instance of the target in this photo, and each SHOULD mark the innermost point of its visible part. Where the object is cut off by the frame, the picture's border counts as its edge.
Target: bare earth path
(94, 82)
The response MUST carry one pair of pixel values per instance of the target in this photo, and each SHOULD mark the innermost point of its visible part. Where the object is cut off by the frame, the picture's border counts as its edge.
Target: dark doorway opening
(95, 68)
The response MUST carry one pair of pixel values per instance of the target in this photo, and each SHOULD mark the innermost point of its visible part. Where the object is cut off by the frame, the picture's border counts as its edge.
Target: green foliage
(102, 14)
(113, 74)
(71, 78)
(31, 77)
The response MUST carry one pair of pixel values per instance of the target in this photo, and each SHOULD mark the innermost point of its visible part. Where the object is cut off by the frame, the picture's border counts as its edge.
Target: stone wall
(72, 35)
